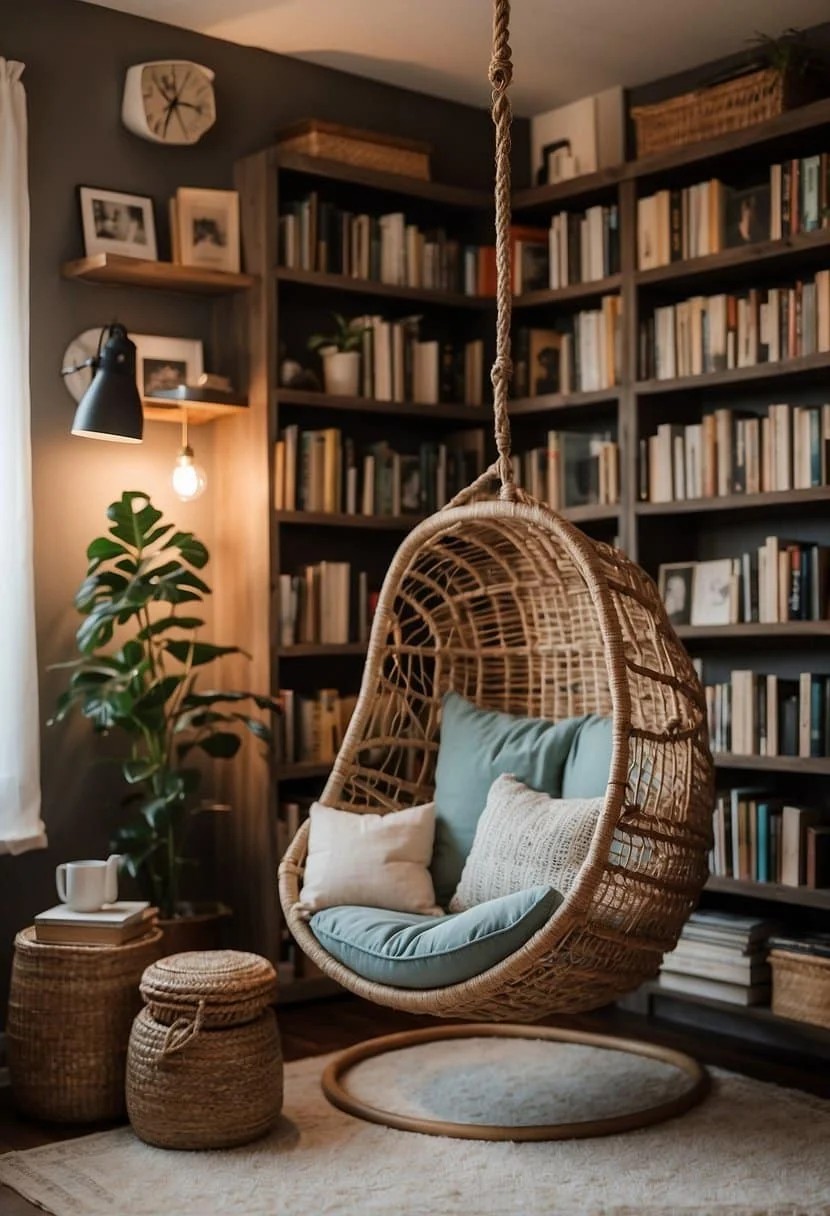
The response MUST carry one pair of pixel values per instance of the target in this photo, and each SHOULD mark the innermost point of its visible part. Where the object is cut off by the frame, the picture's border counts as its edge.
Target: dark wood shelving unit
(818, 765)
(803, 367)
(553, 402)
(801, 897)
(573, 293)
(755, 631)
(301, 771)
(389, 291)
(326, 519)
(475, 415)
(775, 500)
(745, 258)
(391, 183)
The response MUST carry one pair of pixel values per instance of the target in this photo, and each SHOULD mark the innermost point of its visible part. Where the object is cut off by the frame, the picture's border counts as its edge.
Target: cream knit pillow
(525, 839)
(376, 861)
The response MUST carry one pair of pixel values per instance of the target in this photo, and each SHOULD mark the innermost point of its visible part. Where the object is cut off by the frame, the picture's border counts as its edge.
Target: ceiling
(563, 49)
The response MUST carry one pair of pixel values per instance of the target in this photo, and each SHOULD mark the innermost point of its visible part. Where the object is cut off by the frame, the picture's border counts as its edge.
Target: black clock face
(178, 102)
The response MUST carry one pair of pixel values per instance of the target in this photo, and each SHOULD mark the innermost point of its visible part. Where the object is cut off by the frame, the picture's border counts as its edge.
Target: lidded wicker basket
(204, 1068)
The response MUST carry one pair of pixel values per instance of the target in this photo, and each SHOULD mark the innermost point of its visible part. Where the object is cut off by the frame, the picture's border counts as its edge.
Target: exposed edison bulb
(189, 479)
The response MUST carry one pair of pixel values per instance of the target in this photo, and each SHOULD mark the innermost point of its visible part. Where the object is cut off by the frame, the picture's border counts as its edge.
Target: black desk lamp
(111, 406)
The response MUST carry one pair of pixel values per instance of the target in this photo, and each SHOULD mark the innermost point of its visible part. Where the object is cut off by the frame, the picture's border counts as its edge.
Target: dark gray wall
(76, 55)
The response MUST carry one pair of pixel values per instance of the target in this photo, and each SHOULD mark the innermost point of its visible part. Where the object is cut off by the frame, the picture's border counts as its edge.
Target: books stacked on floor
(312, 725)
(721, 956)
(316, 235)
(323, 471)
(317, 605)
(114, 925)
(400, 363)
(582, 355)
(757, 838)
(578, 247)
(724, 332)
(735, 452)
(770, 715)
(575, 468)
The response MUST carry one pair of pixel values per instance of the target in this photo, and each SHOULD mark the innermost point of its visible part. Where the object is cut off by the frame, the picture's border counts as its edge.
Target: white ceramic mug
(85, 886)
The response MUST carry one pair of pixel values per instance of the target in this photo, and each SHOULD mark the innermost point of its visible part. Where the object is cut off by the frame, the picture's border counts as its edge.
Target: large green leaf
(197, 653)
(103, 548)
(216, 697)
(191, 549)
(130, 525)
(170, 622)
(257, 728)
(139, 768)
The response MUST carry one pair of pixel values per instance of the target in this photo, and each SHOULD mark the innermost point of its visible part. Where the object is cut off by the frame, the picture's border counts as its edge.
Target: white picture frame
(207, 229)
(713, 592)
(165, 363)
(114, 222)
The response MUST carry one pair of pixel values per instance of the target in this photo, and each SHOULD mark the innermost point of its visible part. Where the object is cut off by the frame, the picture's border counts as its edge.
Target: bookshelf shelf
(392, 183)
(584, 188)
(304, 771)
(310, 650)
(774, 764)
(737, 502)
(552, 402)
(372, 287)
(325, 519)
(196, 413)
(802, 246)
(162, 276)
(473, 414)
(755, 630)
(572, 293)
(802, 368)
(803, 897)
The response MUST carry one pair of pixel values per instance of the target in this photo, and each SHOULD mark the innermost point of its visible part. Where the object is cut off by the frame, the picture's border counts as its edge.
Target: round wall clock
(169, 101)
(84, 347)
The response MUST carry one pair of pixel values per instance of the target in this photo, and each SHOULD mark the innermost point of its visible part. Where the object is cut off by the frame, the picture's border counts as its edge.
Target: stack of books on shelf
(578, 247)
(582, 355)
(721, 956)
(575, 468)
(770, 715)
(758, 838)
(399, 364)
(114, 925)
(312, 725)
(737, 452)
(323, 471)
(316, 605)
(319, 236)
(724, 332)
(673, 225)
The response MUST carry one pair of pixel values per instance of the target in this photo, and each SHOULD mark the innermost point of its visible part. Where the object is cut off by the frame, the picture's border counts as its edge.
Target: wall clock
(169, 101)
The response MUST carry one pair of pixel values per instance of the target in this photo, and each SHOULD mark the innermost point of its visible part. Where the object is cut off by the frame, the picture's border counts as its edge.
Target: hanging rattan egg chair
(500, 599)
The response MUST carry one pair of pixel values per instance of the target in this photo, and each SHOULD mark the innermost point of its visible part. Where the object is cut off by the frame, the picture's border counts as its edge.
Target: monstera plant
(141, 672)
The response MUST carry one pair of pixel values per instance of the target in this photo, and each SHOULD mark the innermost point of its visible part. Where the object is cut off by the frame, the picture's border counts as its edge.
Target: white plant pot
(341, 369)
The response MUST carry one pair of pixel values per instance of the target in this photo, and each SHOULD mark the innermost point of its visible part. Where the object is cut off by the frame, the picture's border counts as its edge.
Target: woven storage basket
(801, 987)
(363, 149)
(70, 1012)
(704, 113)
(204, 1068)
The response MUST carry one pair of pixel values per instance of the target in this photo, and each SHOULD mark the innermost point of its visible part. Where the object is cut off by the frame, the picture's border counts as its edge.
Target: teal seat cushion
(409, 950)
(588, 765)
(477, 746)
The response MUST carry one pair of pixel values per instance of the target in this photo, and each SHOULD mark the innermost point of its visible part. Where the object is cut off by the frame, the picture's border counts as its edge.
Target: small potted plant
(340, 352)
(147, 687)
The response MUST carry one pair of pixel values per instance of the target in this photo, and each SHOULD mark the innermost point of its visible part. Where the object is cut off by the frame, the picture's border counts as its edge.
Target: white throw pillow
(378, 861)
(525, 839)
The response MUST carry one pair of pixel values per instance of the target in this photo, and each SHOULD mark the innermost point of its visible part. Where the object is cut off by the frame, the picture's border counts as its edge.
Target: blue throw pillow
(477, 746)
(407, 950)
(589, 761)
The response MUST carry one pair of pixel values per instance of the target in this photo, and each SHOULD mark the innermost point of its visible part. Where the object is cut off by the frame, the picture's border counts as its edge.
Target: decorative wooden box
(366, 149)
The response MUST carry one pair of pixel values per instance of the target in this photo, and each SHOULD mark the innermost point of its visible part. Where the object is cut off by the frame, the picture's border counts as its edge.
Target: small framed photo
(165, 363)
(713, 592)
(674, 582)
(118, 223)
(207, 229)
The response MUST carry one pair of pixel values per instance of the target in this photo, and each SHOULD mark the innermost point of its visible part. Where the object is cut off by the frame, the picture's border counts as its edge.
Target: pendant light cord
(501, 74)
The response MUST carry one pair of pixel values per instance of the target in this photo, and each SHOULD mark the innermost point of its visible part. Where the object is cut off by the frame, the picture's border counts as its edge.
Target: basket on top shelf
(363, 149)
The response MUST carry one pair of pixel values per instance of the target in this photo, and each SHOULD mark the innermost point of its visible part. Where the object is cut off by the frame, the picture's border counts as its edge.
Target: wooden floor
(319, 1027)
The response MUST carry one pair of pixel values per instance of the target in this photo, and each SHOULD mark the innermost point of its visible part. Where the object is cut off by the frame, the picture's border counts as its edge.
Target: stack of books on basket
(113, 925)
(721, 956)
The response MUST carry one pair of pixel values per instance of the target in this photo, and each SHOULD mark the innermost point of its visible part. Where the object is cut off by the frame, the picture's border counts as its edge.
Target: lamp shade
(111, 406)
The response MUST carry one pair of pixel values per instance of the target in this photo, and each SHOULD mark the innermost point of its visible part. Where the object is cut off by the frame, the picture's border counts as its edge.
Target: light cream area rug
(749, 1150)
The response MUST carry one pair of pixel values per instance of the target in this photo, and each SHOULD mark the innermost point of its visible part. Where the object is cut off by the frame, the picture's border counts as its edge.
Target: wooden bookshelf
(389, 183)
(804, 367)
(819, 766)
(755, 631)
(161, 276)
(475, 415)
(326, 519)
(586, 292)
(748, 259)
(388, 291)
(774, 892)
(546, 403)
(771, 501)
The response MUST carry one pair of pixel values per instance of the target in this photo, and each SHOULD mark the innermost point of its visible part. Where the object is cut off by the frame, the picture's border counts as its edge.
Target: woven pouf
(68, 1025)
(204, 1068)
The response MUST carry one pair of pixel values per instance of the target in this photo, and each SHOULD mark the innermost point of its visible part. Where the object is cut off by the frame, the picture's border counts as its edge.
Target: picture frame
(205, 227)
(713, 592)
(165, 363)
(119, 223)
(675, 582)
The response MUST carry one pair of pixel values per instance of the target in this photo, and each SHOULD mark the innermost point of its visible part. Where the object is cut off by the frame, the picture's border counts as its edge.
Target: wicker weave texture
(231, 986)
(69, 1018)
(512, 607)
(801, 987)
(705, 113)
(222, 1088)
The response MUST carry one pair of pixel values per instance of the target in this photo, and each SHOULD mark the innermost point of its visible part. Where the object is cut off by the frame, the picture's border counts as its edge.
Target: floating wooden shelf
(805, 366)
(326, 519)
(775, 499)
(162, 276)
(196, 413)
(393, 183)
(764, 253)
(775, 892)
(393, 409)
(523, 406)
(302, 771)
(774, 764)
(372, 287)
(761, 631)
(574, 292)
(308, 650)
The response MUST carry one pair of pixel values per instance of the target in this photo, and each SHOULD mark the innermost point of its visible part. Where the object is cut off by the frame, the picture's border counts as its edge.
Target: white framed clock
(169, 101)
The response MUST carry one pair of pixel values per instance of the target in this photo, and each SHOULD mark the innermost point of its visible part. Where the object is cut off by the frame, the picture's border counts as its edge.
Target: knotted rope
(501, 74)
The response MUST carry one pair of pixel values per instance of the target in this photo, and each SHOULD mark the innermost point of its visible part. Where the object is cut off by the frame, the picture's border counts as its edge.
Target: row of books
(312, 725)
(723, 332)
(673, 225)
(583, 355)
(575, 468)
(316, 235)
(754, 714)
(721, 956)
(323, 471)
(578, 247)
(737, 452)
(757, 838)
(326, 602)
(799, 195)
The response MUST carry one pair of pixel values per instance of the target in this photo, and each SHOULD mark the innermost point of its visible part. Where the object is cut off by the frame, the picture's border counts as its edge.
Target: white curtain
(21, 827)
